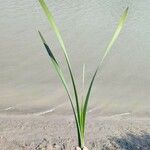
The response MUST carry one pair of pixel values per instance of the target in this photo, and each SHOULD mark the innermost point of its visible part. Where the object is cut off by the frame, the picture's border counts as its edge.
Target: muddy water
(28, 83)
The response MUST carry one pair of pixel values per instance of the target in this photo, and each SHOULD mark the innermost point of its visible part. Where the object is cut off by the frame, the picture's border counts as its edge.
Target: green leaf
(61, 75)
(59, 37)
(116, 33)
(114, 37)
(55, 64)
(53, 25)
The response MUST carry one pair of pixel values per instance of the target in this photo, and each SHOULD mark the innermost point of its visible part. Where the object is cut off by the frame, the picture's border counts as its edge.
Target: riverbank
(29, 132)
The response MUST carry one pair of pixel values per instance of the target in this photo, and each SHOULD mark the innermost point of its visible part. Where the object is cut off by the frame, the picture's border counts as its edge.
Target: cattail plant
(79, 109)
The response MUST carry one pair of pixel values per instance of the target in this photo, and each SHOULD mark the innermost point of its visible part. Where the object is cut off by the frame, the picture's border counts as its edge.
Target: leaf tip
(41, 36)
(127, 9)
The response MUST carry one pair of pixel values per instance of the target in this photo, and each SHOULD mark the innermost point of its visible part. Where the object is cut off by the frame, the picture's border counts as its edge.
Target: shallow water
(28, 82)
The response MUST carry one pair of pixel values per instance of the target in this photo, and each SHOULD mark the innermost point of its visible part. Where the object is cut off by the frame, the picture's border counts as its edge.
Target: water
(28, 83)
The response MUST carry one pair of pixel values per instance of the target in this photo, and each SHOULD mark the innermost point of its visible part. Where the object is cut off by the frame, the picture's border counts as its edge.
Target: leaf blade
(61, 76)
(59, 37)
(110, 44)
(116, 33)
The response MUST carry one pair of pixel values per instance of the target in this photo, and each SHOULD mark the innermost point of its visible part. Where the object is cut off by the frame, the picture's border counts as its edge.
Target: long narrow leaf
(116, 33)
(86, 101)
(53, 25)
(82, 103)
(59, 37)
(56, 65)
(114, 37)
(61, 75)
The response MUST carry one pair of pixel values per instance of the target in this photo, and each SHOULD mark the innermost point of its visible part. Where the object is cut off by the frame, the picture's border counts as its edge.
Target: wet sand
(29, 132)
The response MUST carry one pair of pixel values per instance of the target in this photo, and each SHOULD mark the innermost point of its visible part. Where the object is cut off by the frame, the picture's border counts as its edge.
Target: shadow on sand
(133, 142)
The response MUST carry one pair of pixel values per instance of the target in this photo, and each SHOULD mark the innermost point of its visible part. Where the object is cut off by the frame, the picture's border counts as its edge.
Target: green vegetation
(79, 109)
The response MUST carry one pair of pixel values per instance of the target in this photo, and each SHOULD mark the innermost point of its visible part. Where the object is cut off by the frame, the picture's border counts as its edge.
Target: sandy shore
(28, 132)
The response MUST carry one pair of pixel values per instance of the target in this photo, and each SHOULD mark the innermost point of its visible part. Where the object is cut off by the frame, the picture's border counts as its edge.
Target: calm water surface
(28, 83)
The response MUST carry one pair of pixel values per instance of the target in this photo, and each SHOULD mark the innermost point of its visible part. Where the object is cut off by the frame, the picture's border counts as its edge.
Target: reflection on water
(28, 82)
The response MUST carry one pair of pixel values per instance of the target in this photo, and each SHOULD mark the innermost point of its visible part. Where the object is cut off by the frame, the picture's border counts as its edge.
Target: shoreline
(28, 132)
